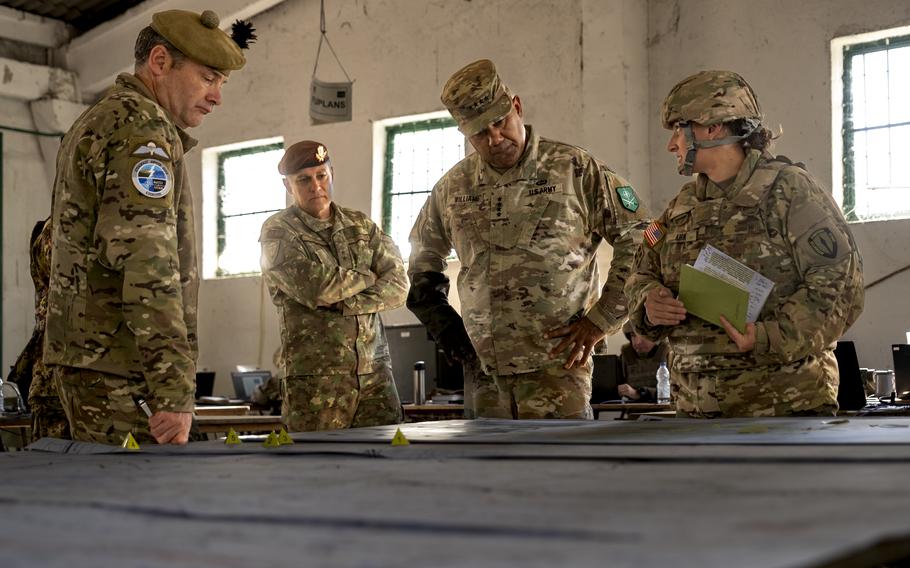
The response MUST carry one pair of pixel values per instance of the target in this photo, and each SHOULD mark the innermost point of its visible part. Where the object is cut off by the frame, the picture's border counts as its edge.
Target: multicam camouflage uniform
(29, 371)
(526, 240)
(777, 220)
(122, 300)
(329, 280)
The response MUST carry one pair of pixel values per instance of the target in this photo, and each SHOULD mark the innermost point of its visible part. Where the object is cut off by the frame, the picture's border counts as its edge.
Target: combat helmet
(706, 98)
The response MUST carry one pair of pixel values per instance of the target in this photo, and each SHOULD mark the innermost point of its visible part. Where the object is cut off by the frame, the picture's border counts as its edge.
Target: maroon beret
(304, 154)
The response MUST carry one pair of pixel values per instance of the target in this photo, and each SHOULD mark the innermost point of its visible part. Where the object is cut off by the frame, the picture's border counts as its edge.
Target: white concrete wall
(26, 199)
(782, 47)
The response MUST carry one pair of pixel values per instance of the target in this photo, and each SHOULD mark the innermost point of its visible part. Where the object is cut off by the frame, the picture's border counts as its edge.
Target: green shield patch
(627, 197)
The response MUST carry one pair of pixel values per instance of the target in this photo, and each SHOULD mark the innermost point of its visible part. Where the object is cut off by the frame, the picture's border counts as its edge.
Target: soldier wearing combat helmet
(121, 320)
(769, 214)
(525, 216)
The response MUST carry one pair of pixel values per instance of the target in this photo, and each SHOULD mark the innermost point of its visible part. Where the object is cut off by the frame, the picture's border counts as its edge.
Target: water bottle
(663, 384)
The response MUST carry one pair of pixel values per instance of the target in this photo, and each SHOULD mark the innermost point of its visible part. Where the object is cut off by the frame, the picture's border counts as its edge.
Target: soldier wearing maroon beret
(330, 271)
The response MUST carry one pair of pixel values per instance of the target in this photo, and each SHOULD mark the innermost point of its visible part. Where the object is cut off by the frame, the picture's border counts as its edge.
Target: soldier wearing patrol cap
(525, 216)
(772, 216)
(330, 271)
(121, 320)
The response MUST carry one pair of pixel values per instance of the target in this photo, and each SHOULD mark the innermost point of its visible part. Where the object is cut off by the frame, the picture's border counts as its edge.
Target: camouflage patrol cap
(304, 154)
(198, 37)
(710, 97)
(476, 97)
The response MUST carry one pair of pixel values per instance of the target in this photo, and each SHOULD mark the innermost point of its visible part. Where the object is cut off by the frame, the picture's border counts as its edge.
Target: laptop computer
(245, 382)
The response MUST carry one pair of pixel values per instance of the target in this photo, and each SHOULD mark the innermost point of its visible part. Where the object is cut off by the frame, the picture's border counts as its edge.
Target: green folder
(708, 297)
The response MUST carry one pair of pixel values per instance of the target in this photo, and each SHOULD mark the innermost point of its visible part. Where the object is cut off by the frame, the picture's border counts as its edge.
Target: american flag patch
(654, 233)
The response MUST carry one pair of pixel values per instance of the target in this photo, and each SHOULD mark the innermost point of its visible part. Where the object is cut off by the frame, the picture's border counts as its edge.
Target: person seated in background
(640, 358)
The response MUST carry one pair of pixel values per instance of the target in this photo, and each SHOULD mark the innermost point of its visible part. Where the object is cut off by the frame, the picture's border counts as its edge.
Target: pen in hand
(140, 402)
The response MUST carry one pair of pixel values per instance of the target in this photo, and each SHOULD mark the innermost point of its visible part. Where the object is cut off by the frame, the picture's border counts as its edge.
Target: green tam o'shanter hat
(198, 37)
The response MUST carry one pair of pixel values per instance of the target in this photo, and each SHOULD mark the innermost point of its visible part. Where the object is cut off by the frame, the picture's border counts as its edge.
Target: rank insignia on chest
(152, 179)
(654, 233)
(627, 197)
(151, 150)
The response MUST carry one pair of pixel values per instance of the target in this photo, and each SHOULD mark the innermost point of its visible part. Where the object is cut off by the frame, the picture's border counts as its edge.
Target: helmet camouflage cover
(710, 97)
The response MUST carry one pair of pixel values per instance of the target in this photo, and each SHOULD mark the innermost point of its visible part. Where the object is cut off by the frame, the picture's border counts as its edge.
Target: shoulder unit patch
(627, 197)
(152, 179)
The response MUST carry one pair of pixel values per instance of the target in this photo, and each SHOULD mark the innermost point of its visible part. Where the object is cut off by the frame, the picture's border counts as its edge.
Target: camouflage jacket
(123, 283)
(526, 240)
(329, 280)
(775, 219)
(29, 371)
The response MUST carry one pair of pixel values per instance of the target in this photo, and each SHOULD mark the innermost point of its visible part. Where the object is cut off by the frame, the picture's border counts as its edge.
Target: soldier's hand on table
(628, 391)
(580, 337)
(662, 308)
(745, 342)
(171, 427)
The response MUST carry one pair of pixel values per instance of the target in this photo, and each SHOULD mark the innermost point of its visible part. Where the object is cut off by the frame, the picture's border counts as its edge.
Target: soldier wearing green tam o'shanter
(121, 316)
(525, 215)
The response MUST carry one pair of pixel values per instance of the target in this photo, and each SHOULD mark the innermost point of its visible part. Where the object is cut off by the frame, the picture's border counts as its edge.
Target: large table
(659, 492)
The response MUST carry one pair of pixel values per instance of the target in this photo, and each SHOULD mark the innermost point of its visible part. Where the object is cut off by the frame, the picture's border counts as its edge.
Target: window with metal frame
(417, 154)
(249, 191)
(876, 129)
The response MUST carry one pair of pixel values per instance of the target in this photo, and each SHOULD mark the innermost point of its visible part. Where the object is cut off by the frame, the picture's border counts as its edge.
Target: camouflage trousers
(330, 402)
(99, 406)
(48, 418)
(552, 392)
(805, 388)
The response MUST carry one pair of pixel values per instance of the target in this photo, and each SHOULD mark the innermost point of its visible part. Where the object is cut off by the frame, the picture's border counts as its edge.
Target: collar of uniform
(132, 82)
(318, 225)
(707, 189)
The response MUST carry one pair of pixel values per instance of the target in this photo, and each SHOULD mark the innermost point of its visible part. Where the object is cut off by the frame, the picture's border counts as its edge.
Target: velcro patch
(654, 233)
(152, 179)
(824, 243)
(627, 197)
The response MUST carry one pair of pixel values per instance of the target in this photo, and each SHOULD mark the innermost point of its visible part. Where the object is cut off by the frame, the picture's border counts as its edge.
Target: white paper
(712, 261)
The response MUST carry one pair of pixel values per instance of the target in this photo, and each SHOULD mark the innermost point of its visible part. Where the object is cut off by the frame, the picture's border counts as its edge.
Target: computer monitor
(205, 383)
(245, 383)
(605, 378)
(850, 393)
(901, 354)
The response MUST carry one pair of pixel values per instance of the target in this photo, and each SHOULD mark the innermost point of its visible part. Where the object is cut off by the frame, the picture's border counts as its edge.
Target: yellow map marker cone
(129, 442)
(232, 438)
(399, 439)
(271, 441)
(284, 438)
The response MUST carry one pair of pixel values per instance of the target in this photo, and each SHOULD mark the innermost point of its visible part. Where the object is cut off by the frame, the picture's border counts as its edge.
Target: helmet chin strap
(692, 145)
